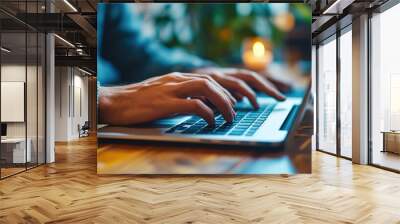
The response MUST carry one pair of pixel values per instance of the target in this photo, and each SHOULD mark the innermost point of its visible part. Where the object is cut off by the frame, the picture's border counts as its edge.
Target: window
(14, 143)
(22, 79)
(346, 93)
(314, 93)
(385, 88)
(327, 96)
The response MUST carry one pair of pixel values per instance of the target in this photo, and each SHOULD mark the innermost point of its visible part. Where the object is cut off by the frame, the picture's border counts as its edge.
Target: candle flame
(258, 49)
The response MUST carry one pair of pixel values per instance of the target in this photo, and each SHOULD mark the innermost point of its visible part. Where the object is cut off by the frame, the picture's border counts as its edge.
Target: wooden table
(167, 158)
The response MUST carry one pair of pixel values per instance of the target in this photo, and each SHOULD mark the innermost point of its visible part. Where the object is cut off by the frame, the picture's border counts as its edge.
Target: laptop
(269, 126)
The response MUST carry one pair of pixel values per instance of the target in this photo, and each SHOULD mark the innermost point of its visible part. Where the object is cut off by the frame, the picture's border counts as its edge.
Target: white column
(360, 90)
(50, 99)
(50, 92)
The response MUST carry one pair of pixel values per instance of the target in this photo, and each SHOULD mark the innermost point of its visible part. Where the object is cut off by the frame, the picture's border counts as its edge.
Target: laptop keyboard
(246, 123)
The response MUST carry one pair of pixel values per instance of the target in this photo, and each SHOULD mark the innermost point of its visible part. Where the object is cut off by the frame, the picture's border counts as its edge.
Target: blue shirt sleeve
(126, 55)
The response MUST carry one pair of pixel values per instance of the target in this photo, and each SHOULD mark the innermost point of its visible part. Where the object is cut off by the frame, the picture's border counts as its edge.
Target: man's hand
(281, 84)
(241, 82)
(165, 96)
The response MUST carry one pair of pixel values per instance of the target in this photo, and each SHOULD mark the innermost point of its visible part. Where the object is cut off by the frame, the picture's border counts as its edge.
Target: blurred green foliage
(216, 30)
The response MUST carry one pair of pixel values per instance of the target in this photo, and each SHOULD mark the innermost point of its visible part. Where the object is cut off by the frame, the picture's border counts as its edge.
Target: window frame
(333, 37)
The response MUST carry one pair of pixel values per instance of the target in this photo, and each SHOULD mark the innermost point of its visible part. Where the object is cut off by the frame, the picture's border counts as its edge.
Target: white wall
(71, 94)
(33, 127)
(16, 72)
(81, 104)
(61, 104)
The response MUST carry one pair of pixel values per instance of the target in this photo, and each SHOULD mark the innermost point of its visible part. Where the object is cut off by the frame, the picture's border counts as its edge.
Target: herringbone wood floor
(70, 191)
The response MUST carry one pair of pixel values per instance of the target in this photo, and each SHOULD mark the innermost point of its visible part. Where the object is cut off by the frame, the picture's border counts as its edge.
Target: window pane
(14, 151)
(23, 82)
(385, 86)
(314, 91)
(327, 97)
(346, 94)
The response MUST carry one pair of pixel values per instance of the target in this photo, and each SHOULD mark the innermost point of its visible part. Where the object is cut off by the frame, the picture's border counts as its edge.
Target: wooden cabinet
(13, 150)
(391, 141)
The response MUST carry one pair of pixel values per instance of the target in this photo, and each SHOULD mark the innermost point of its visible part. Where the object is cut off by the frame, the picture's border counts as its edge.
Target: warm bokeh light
(284, 21)
(257, 53)
(258, 49)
